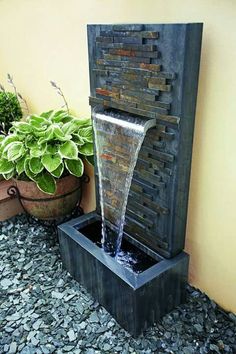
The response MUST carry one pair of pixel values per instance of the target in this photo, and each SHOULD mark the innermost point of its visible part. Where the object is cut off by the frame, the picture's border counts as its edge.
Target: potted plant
(44, 155)
(10, 109)
(12, 105)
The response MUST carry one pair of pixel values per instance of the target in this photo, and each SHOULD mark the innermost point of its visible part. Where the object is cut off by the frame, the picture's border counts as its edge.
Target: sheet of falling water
(118, 142)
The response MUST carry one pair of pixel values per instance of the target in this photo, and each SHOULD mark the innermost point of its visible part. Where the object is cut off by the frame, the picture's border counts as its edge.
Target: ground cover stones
(35, 319)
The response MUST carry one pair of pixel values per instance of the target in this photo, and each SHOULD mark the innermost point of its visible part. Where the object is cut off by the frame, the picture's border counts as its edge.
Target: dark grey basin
(136, 299)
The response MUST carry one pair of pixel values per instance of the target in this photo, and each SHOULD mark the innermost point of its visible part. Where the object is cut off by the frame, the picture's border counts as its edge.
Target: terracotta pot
(48, 207)
(9, 206)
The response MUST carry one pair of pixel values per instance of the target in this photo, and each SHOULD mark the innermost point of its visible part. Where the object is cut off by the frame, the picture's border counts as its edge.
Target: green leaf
(9, 139)
(51, 149)
(82, 121)
(70, 127)
(20, 166)
(39, 132)
(38, 150)
(46, 183)
(9, 175)
(59, 116)
(69, 150)
(22, 127)
(67, 119)
(51, 162)
(6, 166)
(58, 172)
(30, 142)
(86, 134)
(15, 150)
(77, 139)
(75, 167)
(28, 171)
(46, 114)
(90, 159)
(60, 135)
(38, 121)
(86, 149)
(35, 165)
(74, 125)
(47, 135)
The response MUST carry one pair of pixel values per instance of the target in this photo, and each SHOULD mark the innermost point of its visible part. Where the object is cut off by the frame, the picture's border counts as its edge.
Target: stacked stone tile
(130, 79)
(128, 73)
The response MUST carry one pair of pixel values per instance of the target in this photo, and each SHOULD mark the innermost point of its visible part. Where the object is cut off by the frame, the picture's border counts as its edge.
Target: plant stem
(18, 95)
(59, 91)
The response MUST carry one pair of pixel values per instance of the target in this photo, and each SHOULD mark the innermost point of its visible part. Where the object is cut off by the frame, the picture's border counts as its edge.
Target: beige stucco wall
(44, 40)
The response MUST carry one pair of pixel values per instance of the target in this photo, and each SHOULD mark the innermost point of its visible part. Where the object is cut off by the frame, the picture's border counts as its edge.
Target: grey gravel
(13, 348)
(43, 310)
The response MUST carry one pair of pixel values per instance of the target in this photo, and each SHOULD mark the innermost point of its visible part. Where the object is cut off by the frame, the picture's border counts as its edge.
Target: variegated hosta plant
(46, 147)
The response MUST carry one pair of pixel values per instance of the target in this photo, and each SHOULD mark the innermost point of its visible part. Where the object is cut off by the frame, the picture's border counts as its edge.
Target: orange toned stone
(104, 92)
(108, 157)
(122, 52)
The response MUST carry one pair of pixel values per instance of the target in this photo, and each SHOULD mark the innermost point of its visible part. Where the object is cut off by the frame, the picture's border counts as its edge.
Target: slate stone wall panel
(152, 71)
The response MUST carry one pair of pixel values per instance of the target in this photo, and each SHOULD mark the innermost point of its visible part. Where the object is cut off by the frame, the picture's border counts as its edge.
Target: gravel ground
(43, 310)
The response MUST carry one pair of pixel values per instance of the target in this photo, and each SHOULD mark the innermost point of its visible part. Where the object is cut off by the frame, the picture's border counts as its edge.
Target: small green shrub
(10, 110)
(46, 147)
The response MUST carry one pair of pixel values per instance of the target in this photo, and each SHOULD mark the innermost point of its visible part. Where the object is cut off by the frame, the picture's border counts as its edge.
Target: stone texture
(124, 28)
(154, 84)
(29, 241)
(133, 53)
(104, 39)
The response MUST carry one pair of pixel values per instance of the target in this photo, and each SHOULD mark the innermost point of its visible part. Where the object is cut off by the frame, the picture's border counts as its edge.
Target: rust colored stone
(123, 52)
(133, 53)
(104, 92)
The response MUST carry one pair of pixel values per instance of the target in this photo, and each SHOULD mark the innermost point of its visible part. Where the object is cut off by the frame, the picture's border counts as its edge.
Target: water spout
(118, 139)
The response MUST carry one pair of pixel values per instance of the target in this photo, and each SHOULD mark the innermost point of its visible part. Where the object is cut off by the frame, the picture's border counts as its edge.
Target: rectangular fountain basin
(136, 293)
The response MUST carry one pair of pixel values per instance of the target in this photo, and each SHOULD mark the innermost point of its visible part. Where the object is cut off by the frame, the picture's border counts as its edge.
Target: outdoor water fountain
(118, 139)
(128, 253)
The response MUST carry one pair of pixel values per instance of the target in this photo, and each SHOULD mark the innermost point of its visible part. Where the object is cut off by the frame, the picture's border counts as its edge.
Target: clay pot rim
(35, 191)
(56, 179)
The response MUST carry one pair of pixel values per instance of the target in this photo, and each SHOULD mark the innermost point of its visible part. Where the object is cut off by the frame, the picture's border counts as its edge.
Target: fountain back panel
(118, 139)
(141, 73)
